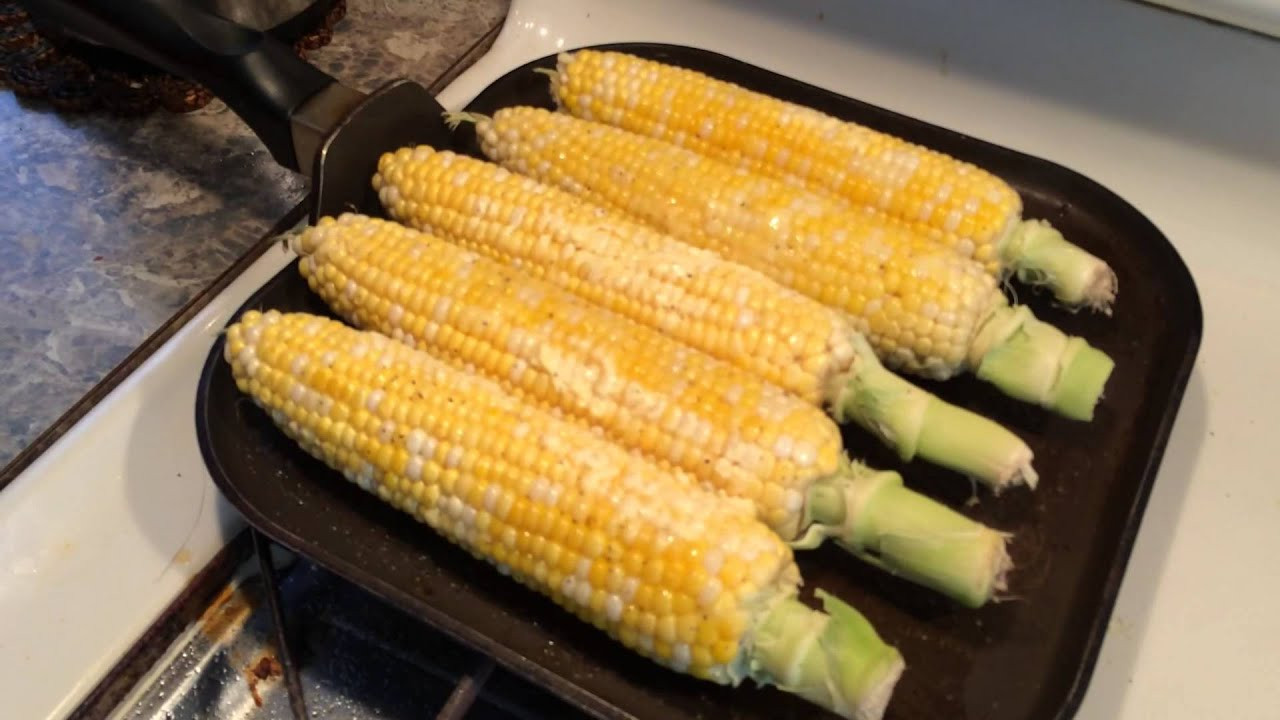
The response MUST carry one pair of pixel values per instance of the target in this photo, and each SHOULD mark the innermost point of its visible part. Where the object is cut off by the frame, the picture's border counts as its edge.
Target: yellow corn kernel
(616, 489)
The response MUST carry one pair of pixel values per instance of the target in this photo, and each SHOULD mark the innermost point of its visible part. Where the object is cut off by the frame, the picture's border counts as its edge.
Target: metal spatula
(308, 120)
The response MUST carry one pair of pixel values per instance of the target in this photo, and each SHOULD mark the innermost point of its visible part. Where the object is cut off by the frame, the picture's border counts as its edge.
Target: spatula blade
(399, 114)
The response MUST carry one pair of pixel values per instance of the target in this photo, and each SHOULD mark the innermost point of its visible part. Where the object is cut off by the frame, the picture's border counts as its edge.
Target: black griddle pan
(1029, 658)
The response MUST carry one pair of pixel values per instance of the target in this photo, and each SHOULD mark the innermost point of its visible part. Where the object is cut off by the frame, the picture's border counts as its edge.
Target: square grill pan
(1028, 658)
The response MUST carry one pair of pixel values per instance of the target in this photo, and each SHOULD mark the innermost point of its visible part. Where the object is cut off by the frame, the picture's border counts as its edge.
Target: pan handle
(257, 76)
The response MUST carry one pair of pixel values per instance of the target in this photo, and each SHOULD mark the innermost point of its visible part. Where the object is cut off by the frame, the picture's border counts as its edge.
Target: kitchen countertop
(112, 224)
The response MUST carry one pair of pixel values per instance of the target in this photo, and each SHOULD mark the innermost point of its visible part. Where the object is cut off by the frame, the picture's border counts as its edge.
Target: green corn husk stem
(1037, 254)
(1033, 361)
(833, 659)
(455, 118)
(916, 423)
(873, 515)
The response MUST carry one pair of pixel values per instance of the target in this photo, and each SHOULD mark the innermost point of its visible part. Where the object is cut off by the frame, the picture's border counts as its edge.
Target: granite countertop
(110, 225)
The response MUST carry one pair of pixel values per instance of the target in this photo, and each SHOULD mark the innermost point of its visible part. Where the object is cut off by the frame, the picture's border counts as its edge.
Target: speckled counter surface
(109, 225)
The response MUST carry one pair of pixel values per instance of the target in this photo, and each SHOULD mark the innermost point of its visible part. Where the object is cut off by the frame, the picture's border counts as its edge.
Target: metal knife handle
(257, 76)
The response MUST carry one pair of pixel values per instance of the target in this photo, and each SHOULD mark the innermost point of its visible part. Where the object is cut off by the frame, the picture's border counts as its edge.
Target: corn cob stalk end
(833, 659)
(873, 515)
(1039, 255)
(916, 423)
(1036, 362)
(1084, 375)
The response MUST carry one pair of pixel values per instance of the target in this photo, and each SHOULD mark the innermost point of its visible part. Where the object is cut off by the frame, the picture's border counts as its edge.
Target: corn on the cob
(970, 210)
(727, 428)
(923, 308)
(724, 309)
(672, 572)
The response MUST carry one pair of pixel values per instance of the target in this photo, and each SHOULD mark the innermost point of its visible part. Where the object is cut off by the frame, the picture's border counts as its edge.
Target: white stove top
(1176, 115)
(1258, 15)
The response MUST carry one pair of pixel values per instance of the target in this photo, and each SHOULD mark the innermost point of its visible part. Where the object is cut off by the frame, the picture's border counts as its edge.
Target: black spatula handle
(257, 76)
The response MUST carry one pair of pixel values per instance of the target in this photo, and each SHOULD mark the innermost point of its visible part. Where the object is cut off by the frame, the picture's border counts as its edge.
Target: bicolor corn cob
(672, 572)
(725, 309)
(970, 210)
(732, 431)
(923, 308)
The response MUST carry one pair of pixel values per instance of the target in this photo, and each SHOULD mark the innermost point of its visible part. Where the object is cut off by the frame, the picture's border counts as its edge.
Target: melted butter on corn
(724, 309)
(728, 428)
(918, 304)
